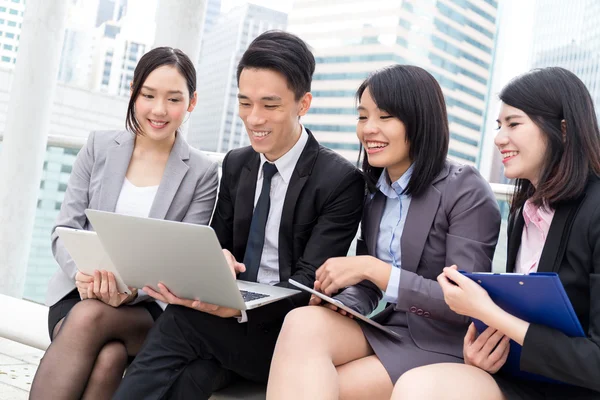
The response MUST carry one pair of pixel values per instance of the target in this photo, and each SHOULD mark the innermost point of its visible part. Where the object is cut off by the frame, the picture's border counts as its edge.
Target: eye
(174, 100)
(513, 124)
(270, 107)
(386, 117)
(361, 118)
(244, 104)
(147, 96)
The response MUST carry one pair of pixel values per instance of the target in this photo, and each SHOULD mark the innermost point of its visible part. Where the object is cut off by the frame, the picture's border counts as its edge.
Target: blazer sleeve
(473, 229)
(204, 198)
(364, 296)
(573, 360)
(76, 200)
(222, 220)
(331, 237)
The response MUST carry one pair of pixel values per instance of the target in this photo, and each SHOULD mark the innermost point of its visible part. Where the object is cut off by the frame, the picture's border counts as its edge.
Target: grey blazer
(455, 221)
(186, 193)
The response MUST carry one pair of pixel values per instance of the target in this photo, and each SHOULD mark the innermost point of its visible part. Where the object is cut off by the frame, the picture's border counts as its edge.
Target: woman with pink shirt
(549, 139)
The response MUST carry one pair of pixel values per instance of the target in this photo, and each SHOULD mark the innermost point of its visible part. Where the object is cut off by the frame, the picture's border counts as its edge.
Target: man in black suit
(286, 204)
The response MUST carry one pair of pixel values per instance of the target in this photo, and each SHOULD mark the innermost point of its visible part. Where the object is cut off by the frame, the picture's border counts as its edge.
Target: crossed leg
(321, 354)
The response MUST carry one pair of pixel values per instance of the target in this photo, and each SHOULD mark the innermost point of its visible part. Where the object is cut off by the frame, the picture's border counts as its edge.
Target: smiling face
(270, 111)
(521, 143)
(162, 103)
(383, 136)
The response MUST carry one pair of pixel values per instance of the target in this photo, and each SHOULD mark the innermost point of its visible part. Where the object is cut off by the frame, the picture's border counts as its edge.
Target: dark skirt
(60, 310)
(519, 389)
(398, 356)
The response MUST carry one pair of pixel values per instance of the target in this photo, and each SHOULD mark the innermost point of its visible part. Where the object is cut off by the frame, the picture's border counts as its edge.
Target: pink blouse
(535, 231)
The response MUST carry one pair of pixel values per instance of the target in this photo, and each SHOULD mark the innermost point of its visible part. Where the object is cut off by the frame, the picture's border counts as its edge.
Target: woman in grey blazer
(422, 214)
(150, 171)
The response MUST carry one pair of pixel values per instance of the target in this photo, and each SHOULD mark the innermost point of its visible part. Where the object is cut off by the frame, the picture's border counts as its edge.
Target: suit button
(413, 309)
(419, 312)
(426, 314)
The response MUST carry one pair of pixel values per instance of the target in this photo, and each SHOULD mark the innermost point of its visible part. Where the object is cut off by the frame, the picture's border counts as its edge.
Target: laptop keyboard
(249, 296)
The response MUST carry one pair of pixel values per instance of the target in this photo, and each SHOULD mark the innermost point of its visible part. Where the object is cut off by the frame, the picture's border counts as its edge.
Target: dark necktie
(256, 237)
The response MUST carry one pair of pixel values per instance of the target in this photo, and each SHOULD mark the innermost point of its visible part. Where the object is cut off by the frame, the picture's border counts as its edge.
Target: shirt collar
(540, 216)
(287, 162)
(393, 190)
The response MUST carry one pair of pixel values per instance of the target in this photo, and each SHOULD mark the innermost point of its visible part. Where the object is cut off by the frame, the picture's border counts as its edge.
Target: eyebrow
(265, 98)
(170, 91)
(508, 118)
(361, 108)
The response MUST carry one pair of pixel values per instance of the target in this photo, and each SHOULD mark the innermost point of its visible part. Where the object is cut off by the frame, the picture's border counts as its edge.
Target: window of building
(10, 35)
(12, 23)
(62, 187)
(66, 168)
(8, 47)
(5, 59)
(2, 9)
(13, 12)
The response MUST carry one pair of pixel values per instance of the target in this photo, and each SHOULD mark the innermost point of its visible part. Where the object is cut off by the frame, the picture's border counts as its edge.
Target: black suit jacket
(572, 250)
(321, 213)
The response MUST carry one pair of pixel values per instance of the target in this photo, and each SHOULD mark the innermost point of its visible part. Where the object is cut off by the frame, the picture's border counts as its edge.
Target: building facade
(215, 124)
(11, 18)
(452, 39)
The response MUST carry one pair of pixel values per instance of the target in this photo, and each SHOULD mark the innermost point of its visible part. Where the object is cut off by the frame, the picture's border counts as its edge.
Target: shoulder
(332, 166)
(462, 178)
(236, 158)
(590, 205)
(105, 139)
(200, 161)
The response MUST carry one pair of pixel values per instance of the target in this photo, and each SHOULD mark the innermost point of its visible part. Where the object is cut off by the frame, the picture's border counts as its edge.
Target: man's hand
(489, 351)
(105, 290)
(166, 296)
(236, 267)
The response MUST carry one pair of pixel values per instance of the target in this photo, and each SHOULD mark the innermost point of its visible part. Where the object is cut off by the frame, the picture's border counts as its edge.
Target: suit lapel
(515, 233)
(301, 174)
(372, 219)
(175, 170)
(117, 162)
(244, 204)
(558, 235)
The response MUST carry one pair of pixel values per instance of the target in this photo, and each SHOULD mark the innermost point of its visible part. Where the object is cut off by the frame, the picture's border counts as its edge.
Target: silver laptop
(186, 258)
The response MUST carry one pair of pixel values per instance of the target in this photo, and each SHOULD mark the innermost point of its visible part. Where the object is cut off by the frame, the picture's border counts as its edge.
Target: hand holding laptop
(166, 296)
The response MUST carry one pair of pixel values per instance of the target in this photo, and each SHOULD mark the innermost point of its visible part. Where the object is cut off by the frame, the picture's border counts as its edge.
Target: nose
(501, 139)
(370, 127)
(159, 108)
(255, 117)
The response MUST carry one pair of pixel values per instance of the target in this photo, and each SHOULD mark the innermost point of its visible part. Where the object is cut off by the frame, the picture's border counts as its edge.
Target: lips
(508, 155)
(156, 124)
(374, 147)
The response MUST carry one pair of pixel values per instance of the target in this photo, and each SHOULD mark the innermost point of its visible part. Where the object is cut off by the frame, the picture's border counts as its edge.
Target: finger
(500, 349)
(491, 344)
(80, 276)
(320, 271)
(326, 285)
(317, 285)
(204, 307)
(104, 285)
(498, 364)
(154, 294)
(445, 284)
(90, 291)
(314, 300)
(239, 267)
(330, 306)
(97, 281)
(453, 275)
(471, 334)
(453, 267)
(483, 338)
(112, 285)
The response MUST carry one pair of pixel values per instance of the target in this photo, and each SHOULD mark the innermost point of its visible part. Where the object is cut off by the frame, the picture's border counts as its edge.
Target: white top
(268, 271)
(137, 201)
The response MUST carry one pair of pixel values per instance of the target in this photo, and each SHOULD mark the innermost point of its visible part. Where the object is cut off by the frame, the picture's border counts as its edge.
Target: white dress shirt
(268, 271)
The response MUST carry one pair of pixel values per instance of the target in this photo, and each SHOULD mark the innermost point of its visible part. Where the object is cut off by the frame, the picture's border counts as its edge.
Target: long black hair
(549, 96)
(412, 95)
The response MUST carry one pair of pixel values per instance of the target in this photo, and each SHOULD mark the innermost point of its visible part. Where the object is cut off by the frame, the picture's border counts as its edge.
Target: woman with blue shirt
(423, 213)
(549, 140)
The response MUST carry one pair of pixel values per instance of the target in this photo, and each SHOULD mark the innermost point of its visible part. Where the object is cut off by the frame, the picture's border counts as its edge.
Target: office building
(11, 18)
(452, 39)
(215, 124)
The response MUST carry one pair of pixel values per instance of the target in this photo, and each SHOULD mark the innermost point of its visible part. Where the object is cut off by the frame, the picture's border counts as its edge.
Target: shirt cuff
(391, 293)
(243, 318)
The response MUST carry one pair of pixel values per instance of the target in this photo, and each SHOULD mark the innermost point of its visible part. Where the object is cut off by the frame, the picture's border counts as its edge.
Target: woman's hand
(315, 301)
(464, 296)
(105, 290)
(340, 272)
(488, 351)
(83, 283)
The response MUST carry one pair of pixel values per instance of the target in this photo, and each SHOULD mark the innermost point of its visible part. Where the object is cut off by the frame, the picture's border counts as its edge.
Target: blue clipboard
(537, 298)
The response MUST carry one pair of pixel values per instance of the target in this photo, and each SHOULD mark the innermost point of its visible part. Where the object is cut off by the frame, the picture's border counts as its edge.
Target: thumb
(317, 286)
(239, 267)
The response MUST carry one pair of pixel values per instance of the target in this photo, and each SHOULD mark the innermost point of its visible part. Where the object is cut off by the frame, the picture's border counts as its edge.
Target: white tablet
(347, 309)
(88, 254)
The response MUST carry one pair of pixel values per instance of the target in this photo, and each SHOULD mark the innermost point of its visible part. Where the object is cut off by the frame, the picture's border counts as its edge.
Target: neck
(274, 157)
(395, 172)
(145, 144)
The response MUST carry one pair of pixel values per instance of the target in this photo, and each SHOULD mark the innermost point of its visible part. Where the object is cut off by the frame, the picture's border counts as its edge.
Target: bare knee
(306, 323)
(414, 384)
(111, 360)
